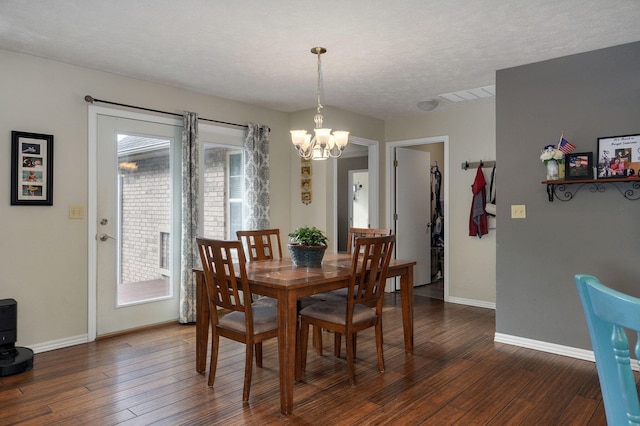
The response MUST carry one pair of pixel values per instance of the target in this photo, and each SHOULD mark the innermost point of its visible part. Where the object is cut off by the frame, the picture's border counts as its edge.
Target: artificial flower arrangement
(550, 152)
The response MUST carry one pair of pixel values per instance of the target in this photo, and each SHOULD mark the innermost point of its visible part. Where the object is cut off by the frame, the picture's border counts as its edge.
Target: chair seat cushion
(266, 301)
(303, 302)
(336, 312)
(265, 318)
(339, 295)
(306, 301)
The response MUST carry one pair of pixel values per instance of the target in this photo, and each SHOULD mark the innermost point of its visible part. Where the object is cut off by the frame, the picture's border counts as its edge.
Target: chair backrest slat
(608, 313)
(261, 244)
(370, 262)
(224, 288)
(364, 232)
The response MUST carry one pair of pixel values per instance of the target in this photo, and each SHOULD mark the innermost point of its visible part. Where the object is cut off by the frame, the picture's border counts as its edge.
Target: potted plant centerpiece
(307, 246)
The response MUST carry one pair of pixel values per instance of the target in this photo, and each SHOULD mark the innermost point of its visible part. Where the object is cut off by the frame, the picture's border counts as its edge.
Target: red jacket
(478, 215)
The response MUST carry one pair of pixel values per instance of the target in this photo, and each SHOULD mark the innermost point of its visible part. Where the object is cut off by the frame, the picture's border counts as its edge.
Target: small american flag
(566, 146)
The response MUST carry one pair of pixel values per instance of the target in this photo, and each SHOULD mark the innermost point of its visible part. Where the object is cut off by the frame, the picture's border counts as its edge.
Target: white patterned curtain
(256, 169)
(190, 215)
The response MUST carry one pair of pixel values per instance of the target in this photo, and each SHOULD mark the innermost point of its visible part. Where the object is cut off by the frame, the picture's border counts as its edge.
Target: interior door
(137, 263)
(413, 211)
(359, 199)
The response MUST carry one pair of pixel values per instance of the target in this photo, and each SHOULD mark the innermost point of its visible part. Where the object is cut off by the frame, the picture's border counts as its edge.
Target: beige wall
(472, 137)
(320, 213)
(43, 254)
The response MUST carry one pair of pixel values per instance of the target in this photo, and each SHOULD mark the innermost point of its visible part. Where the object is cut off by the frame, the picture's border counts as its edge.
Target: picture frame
(31, 169)
(578, 165)
(618, 156)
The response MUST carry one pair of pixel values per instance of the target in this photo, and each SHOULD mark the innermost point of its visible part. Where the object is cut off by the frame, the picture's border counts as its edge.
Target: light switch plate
(76, 212)
(518, 211)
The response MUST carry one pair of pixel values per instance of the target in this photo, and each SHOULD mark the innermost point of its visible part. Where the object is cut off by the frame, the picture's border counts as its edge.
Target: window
(235, 190)
(165, 253)
(222, 191)
(144, 208)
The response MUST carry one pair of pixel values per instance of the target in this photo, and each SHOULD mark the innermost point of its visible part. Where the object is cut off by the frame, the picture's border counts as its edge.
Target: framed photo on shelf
(618, 156)
(31, 169)
(578, 165)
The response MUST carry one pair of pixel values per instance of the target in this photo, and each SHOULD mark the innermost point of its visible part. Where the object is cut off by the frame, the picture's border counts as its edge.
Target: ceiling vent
(471, 94)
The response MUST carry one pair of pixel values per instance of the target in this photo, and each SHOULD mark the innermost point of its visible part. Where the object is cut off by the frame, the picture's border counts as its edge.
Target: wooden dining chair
(609, 314)
(229, 290)
(261, 244)
(341, 294)
(369, 265)
(364, 232)
(264, 244)
(354, 233)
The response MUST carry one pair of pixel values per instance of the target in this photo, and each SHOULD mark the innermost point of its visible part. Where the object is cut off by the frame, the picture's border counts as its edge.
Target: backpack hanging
(491, 203)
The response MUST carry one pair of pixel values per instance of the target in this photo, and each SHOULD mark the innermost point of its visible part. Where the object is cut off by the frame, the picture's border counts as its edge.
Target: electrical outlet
(76, 212)
(518, 211)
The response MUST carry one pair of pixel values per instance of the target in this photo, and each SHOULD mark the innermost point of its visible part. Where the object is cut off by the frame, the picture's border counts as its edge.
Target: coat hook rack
(475, 164)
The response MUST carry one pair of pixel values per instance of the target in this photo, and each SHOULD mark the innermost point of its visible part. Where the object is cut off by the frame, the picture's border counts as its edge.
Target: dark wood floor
(457, 375)
(434, 290)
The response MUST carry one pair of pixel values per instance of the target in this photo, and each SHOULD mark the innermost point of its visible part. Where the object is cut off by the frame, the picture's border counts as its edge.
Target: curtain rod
(91, 100)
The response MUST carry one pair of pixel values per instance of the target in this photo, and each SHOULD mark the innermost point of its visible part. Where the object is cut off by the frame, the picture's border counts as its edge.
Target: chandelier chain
(319, 90)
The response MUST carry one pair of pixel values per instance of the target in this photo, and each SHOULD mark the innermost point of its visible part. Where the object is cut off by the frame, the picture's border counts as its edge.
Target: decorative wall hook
(484, 164)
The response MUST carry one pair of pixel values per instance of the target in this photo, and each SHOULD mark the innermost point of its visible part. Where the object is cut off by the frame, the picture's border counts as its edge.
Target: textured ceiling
(383, 56)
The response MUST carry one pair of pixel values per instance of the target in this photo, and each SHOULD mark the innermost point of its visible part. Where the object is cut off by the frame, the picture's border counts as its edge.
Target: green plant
(308, 236)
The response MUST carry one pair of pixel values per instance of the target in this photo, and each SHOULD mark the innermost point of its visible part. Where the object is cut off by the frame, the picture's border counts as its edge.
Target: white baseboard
(545, 347)
(471, 302)
(553, 348)
(60, 343)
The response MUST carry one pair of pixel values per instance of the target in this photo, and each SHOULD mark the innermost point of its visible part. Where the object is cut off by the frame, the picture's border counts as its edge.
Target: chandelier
(324, 144)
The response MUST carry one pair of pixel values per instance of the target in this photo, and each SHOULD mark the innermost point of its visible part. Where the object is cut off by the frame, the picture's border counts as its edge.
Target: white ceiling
(383, 56)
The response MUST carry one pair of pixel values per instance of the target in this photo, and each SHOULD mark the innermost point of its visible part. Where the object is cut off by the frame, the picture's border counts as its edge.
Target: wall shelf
(565, 190)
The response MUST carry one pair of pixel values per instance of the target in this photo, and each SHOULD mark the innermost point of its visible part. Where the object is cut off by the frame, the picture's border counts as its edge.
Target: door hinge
(395, 163)
(395, 216)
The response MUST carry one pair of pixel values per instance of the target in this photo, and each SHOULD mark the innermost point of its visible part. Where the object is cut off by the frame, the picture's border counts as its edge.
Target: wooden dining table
(281, 280)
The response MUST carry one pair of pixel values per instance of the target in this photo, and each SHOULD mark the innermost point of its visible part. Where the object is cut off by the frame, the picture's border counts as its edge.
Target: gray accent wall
(588, 95)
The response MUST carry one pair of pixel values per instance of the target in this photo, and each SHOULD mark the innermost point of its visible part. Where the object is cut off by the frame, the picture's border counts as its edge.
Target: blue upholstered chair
(608, 313)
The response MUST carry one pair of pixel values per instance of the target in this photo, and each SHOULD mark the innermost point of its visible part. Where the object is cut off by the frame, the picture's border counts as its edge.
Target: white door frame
(389, 192)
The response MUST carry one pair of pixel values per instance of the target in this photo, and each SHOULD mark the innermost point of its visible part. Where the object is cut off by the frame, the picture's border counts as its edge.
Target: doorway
(412, 212)
(137, 142)
(359, 197)
(361, 155)
(136, 218)
(439, 148)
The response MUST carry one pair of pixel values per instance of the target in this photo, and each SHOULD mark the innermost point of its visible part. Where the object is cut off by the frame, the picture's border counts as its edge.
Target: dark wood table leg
(406, 295)
(287, 319)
